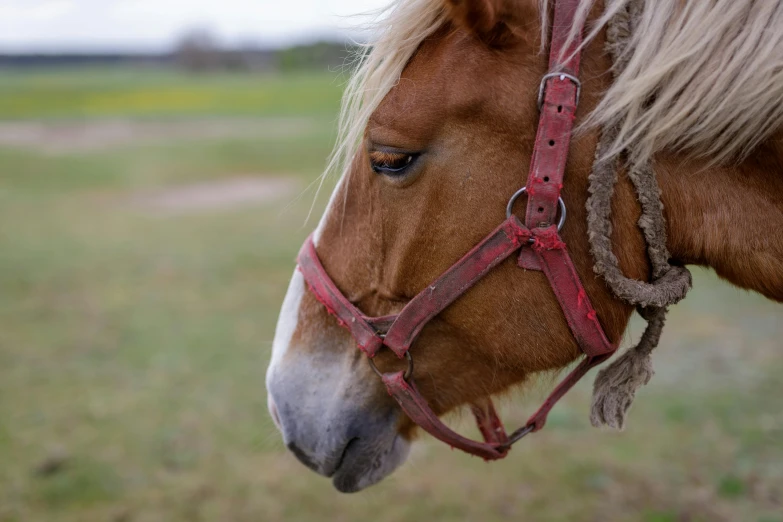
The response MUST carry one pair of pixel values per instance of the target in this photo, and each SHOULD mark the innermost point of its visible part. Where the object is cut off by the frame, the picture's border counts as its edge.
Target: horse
(442, 116)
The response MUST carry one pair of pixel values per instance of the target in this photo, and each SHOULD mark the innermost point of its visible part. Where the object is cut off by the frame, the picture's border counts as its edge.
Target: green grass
(133, 345)
(91, 93)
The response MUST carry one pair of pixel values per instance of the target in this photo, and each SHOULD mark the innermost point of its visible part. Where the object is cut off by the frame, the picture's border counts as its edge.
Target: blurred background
(155, 159)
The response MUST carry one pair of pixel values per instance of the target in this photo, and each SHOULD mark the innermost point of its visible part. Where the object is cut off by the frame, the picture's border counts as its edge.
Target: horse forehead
(451, 75)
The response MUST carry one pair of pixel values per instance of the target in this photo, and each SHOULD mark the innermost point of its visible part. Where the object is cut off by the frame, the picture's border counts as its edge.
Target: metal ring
(562, 76)
(408, 372)
(560, 202)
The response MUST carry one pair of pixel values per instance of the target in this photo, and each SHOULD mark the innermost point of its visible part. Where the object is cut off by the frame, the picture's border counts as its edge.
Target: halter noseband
(540, 248)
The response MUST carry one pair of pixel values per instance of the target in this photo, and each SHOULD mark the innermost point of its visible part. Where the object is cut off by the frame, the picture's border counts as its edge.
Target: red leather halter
(539, 246)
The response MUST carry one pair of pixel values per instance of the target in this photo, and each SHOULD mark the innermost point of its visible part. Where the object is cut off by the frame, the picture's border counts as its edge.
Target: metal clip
(562, 76)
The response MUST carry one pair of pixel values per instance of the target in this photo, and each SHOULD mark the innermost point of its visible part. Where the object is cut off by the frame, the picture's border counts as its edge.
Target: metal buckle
(560, 202)
(562, 76)
(516, 436)
(408, 372)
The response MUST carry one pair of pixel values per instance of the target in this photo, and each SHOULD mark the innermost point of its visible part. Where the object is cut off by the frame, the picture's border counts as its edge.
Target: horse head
(441, 126)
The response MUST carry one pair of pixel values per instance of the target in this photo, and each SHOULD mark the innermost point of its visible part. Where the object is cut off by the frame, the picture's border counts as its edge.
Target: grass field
(112, 92)
(134, 337)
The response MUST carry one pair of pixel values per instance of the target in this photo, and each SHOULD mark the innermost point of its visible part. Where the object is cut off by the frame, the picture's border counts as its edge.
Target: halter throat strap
(540, 248)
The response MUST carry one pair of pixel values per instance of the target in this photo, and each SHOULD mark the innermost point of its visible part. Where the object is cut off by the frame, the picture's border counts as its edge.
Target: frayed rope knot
(615, 388)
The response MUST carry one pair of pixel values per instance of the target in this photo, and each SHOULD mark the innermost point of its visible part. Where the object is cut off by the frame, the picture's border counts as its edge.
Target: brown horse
(437, 135)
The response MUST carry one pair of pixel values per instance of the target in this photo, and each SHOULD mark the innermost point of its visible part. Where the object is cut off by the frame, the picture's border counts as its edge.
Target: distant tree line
(32, 60)
(198, 52)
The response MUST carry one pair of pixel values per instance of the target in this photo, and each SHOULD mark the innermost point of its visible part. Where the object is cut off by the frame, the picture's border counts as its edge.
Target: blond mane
(704, 77)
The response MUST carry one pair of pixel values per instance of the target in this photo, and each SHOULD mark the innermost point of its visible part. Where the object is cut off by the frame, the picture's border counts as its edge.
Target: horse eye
(391, 163)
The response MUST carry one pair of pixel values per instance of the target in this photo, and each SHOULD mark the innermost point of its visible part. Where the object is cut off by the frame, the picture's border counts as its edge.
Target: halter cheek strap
(540, 248)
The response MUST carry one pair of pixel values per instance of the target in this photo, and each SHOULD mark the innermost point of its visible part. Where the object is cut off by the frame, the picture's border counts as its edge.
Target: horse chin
(366, 463)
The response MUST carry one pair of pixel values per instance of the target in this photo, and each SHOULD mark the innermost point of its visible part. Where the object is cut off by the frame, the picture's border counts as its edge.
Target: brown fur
(470, 109)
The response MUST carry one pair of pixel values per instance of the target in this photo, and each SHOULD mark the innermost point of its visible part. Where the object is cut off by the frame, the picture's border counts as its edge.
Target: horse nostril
(303, 457)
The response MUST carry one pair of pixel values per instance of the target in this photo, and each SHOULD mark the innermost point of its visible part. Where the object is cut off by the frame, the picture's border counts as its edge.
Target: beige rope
(615, 386)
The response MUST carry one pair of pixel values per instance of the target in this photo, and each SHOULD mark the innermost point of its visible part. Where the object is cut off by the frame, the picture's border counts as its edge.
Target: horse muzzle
(335, 417)
(332, 432)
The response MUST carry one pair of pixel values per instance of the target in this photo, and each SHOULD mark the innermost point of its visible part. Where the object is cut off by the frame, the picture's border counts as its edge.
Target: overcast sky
(152, 25)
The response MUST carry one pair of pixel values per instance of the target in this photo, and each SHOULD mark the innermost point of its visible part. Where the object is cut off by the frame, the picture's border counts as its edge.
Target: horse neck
(728, 218)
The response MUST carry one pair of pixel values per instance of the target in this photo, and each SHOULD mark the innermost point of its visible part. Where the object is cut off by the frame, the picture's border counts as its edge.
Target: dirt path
(97, 135)
(217, 195)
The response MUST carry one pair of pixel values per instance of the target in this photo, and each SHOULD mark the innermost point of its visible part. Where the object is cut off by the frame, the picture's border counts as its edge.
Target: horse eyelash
(390, 162)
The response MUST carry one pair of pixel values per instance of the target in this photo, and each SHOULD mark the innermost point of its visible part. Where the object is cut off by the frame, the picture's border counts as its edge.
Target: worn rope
(615, 386)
